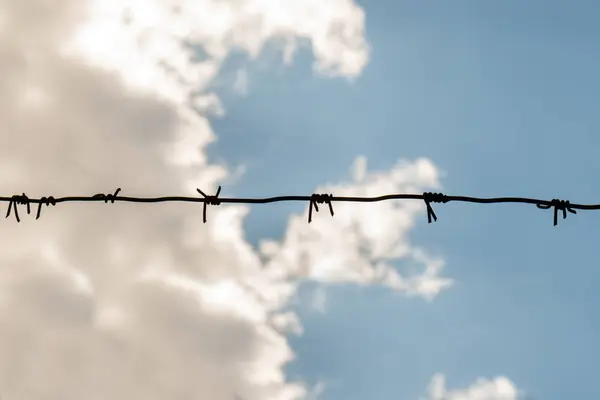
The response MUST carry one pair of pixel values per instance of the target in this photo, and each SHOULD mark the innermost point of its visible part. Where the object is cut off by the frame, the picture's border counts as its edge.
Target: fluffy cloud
(361, 242)
(499, 388)
(131, 301)
(151, 42)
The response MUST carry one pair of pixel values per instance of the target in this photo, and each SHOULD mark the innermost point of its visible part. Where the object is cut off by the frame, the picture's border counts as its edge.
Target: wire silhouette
(314, 200)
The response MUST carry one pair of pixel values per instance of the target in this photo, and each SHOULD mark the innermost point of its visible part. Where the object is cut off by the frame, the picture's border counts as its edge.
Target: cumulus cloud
(498, 388)
(130, 301)
(151, 42)
(363, 241)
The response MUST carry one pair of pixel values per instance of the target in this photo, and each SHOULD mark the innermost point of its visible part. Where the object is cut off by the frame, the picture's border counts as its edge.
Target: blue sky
(502, 97)
(153, 303)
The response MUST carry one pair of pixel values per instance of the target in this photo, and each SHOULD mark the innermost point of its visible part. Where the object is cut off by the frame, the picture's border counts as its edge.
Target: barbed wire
(314, 200)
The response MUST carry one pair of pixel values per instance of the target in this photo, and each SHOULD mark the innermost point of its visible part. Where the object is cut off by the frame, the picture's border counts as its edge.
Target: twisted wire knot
(429, 197)
(15, 200)
(107, 197)
(316, 199)
(209, 200)
(47, 201)
(563, 205)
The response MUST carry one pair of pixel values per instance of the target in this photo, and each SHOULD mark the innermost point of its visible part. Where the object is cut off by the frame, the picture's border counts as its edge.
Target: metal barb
(108, 197)
(47, 201)
(16, 200)
(562, 205)
(209, 200)
(429, 198)
(316, 199)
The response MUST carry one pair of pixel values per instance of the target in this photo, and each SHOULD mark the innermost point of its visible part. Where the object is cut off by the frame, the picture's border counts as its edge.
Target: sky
(265, 98)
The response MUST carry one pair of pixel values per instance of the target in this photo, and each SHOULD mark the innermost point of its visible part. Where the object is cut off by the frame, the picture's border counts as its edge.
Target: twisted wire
(557, 205)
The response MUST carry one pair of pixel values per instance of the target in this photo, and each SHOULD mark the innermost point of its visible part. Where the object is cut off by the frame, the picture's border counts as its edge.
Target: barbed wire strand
(314, 200)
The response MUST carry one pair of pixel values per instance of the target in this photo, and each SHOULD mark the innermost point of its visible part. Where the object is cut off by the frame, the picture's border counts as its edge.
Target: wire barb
(209, 200)
(428, 198)
(14, 201)
(108, 197)
(47, 201)
(319, 199)
(563, 205)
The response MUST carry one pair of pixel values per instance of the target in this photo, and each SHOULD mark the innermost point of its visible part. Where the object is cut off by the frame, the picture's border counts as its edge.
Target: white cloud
(359, 244)
(132, 301)
(498, 388)
(150, 51)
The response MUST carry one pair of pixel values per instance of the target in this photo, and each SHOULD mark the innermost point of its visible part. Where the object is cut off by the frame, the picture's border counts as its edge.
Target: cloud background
(98, 302)
(163, 97)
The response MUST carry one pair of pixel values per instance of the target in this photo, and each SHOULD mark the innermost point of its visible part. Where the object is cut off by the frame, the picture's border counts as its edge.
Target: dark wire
(314, 200)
